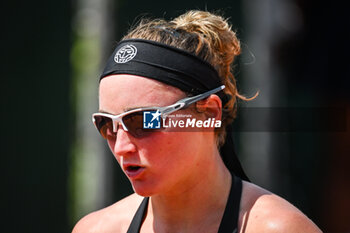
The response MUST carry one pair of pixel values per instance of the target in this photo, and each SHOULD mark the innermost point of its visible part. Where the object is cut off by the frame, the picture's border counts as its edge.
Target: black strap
(229, 156)
(140, 215)
(229, 222)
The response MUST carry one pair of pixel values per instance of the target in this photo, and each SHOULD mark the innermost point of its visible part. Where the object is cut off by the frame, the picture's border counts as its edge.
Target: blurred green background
(56, 168)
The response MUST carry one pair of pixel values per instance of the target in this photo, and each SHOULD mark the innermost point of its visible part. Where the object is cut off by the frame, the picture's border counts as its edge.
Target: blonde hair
(208, 36)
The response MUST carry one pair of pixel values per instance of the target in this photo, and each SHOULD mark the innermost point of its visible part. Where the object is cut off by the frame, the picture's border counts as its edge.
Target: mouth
(132, 168)
(133, 171)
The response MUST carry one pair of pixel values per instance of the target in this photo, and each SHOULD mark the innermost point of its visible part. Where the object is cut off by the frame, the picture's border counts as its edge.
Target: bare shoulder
(114, 218)
(263, 211)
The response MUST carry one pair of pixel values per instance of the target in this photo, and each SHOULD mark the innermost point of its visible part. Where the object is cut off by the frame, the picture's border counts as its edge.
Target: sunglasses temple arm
(193, 99)
(170, 109)
(187, 101)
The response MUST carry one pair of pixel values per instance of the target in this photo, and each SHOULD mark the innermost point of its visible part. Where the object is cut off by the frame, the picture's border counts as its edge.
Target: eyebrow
(126, 109)
(132, 108)
(103, 111)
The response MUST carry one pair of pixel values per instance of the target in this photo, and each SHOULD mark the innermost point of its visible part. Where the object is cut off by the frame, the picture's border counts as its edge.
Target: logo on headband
(125, 54)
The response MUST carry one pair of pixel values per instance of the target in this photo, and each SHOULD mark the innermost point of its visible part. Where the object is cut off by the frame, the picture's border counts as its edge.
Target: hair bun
(211, 28)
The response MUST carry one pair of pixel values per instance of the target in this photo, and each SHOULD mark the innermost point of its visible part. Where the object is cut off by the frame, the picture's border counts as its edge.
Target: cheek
(111, 145)
(168, 148)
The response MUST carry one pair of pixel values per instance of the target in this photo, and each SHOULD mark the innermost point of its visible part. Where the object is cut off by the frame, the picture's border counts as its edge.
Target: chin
(143, 189)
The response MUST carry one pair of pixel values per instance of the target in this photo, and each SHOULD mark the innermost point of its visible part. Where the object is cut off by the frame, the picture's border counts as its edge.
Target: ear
(211, 107)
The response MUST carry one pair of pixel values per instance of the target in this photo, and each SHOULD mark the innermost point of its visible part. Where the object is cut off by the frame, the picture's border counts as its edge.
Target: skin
(189, 186)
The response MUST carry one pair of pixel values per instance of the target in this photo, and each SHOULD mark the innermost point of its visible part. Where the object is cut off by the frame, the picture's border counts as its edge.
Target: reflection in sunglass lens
(133, 123)
(105, 127)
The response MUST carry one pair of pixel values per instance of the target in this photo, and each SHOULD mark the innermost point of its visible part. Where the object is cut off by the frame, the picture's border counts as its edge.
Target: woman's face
(161, 162)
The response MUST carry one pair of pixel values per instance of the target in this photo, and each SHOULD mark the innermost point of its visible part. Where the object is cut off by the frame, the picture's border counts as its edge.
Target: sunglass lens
(133, 123)
(105, 127)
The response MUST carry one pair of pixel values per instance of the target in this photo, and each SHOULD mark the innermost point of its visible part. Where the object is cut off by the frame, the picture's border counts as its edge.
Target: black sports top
(229, 222)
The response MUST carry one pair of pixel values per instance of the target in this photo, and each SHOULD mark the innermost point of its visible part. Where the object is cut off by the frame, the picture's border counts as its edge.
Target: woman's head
(209, 37)
(158, 63)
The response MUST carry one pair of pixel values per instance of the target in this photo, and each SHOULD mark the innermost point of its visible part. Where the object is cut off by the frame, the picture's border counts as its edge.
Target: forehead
(117, 93)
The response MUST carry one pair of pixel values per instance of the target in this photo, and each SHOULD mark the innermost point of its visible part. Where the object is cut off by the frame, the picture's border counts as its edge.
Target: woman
(185, 176)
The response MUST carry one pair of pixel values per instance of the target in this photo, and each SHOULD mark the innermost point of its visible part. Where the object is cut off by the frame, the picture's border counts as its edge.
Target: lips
(133, 171)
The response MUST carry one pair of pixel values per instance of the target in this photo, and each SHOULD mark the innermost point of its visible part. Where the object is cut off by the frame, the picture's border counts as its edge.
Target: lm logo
(151, 119)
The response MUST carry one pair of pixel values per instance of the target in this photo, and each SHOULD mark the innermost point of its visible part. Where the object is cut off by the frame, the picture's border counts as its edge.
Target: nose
(123, 144)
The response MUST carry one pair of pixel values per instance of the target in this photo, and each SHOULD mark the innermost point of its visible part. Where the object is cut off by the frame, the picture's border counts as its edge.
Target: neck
(203, 201)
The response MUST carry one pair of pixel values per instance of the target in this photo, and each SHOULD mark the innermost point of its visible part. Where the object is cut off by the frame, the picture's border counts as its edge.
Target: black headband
(174, 67)
(164, 63)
